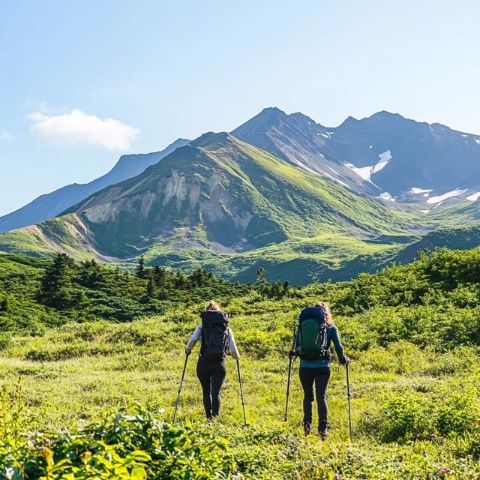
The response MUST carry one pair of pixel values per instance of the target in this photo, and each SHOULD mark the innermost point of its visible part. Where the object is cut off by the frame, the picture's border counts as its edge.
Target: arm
(335, 336)
(193, 339)
(232, 346)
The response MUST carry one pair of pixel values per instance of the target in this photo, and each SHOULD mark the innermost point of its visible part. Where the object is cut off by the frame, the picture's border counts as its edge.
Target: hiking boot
(323, 431)
(307, 428)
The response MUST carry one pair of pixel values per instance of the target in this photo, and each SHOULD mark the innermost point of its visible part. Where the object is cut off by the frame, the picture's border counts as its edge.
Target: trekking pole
(349, 403)
(241, 392)
(180, 388)
(290, 360)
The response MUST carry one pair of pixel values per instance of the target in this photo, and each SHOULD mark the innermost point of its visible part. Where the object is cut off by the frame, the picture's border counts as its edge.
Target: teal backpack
(312, 334)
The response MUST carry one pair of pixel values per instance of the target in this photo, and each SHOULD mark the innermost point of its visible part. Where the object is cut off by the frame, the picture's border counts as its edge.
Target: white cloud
(5, 136)
(80, 128)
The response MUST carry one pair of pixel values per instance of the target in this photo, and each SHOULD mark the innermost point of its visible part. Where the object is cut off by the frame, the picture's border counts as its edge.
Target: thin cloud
(80, 128)
(5, 136)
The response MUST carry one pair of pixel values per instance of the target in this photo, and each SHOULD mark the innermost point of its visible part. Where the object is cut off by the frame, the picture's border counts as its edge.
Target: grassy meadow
(94, 397)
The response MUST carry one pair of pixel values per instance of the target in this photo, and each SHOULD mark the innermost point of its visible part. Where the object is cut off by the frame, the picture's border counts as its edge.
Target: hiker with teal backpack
(315, 334)
(217, 341)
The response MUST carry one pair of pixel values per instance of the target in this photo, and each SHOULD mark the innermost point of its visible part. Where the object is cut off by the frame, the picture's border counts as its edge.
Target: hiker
(315, 334)
(217, 341)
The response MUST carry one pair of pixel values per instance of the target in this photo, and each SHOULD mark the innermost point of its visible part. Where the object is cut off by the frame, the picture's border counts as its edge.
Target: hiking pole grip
(180, 388)
(349, 402)
(241, 391)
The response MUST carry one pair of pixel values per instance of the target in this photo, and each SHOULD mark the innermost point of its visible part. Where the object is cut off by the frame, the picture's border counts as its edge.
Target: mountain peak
(261, 122)
(384, 115)
(272, 111)
(179, 142)
(211, 138)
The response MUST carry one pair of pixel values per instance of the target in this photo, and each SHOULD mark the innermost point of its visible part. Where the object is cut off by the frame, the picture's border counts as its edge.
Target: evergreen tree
(91, 275)
(262, 286)
(261, 276)
(4, 304)
(55, 282)
(141, 271)
(159, 275)
(151, 288)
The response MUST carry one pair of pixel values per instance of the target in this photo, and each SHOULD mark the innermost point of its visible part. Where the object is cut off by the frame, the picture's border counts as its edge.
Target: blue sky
(83, 82)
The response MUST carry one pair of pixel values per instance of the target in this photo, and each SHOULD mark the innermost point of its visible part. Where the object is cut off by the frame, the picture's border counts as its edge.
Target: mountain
(385, 155)
(222, 203)
(301, 141)
(305, 201)
(52, 204)
(408, 159)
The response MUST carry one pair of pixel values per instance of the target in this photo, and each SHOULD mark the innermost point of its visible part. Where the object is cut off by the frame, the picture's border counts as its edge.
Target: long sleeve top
(197, 334)
(333, 336)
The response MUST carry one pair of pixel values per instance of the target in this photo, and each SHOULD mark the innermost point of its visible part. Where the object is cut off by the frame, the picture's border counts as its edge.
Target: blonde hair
(326, 308)
(212, 305)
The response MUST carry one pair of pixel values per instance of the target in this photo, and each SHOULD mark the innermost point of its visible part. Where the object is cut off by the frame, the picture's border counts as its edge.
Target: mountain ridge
(54, 203)
(224, 201)
(270, 193)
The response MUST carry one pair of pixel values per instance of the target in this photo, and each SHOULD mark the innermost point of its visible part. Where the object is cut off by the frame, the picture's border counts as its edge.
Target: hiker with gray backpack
(217, 341)
(312, 341)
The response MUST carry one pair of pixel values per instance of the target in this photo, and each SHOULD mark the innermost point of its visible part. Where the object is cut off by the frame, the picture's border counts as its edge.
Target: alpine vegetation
(92, 357)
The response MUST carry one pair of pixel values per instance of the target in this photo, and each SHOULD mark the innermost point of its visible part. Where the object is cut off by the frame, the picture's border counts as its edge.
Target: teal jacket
(333, 336)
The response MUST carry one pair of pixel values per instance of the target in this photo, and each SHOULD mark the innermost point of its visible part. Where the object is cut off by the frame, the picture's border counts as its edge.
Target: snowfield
(418, 191)
(474, 197)
(367, 172)
(387, 196)
(440, 198)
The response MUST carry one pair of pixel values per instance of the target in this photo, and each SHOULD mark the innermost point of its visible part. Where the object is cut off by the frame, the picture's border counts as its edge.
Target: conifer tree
(54, 284)
(151, 288)
(141, 270)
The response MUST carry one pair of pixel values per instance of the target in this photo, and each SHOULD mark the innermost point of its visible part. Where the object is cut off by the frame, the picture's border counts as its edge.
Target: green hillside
(222, 204)
(453, 238)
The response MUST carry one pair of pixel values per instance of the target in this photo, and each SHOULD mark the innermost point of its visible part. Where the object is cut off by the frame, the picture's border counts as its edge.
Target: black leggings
(320, 376)
(211, 375)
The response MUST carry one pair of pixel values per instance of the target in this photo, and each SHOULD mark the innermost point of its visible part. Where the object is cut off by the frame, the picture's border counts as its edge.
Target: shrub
(131, 444)
(449, 412)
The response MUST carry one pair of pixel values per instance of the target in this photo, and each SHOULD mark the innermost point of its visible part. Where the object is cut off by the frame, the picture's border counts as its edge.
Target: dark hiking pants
(211, 375)
(318, 376)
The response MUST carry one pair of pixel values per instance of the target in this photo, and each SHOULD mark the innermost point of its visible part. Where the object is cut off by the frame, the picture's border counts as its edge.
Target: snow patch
(385, 156)
(464, 135)
(474, 197)
(424, 211)
(441, 198)
(477, 140)
(417, 191)
(370, 147)
(363, 172)
(367, 172)
(387, 196)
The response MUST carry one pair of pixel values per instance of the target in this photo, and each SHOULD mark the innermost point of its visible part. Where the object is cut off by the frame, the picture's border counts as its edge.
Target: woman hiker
(217, 341)
(316, 332)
